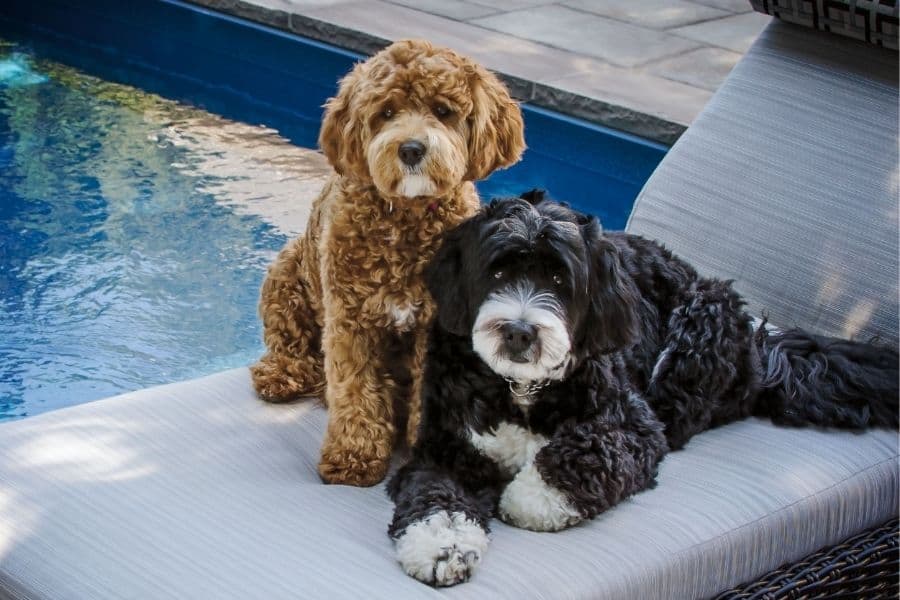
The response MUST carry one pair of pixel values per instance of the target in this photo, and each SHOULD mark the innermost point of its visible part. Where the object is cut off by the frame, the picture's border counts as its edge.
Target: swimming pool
(125, 258)
(152, 160)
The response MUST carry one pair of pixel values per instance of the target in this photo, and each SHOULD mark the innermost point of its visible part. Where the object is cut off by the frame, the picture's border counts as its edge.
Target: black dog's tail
(816, 380)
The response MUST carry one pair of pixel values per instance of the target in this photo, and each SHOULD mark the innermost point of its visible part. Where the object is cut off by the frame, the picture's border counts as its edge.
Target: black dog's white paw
(442, 549)
(530, 503)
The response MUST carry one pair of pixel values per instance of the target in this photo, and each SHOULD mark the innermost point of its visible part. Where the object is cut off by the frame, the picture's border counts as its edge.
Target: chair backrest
(873, 21)
(788, 183)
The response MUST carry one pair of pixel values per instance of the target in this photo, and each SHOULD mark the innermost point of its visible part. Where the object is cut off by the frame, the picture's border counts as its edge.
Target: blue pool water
(134, 231)
(116, 270)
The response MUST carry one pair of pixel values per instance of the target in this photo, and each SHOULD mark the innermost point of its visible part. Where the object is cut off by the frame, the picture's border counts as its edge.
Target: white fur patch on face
(550, 355)
(510, 446)
(442, 549)
(530, 503)
(414, 184)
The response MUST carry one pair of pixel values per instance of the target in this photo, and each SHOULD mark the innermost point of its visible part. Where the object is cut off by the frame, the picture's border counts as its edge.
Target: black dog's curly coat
(565, 362)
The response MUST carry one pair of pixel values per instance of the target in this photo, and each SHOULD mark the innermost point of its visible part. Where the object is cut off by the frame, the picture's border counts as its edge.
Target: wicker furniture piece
(873, 21)
(865, 566)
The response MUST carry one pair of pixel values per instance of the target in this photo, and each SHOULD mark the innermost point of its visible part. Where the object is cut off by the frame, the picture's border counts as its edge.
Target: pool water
(134, 235)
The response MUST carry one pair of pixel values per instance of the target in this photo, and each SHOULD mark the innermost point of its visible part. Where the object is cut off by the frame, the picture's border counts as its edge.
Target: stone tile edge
(537, 94)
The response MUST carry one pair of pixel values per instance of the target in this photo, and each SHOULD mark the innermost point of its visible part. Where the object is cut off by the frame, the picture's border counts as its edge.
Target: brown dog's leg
(289, 305)
(358, 441)
(416, 367)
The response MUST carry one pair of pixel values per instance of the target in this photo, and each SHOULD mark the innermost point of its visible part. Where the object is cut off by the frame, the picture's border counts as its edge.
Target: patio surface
(642, 66)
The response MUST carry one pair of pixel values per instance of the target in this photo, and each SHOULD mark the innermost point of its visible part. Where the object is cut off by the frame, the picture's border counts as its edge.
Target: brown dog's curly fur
(344, 307)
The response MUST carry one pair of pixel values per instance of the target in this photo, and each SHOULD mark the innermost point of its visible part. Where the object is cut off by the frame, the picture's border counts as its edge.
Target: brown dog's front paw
(275, 391)
(343, 466)
(273, 384)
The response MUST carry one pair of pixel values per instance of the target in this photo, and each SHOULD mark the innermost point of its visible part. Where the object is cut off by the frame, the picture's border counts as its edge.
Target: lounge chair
(787, 182)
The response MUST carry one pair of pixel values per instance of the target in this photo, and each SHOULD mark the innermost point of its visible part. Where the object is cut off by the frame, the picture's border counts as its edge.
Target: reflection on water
(134, 234)
(15, 70)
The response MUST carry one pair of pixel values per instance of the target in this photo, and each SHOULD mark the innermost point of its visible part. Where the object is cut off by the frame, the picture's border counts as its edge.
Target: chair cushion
(199, 490)
(787, 182)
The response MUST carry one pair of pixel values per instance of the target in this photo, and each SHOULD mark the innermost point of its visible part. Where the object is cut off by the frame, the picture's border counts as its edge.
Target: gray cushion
(788, 182)
(199, 490)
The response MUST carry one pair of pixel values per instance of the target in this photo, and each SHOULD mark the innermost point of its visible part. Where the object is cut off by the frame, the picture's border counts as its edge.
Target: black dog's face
(530, 290)
(526, 281)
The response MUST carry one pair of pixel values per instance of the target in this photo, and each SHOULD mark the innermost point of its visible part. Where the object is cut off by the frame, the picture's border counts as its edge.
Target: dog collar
(523, 390)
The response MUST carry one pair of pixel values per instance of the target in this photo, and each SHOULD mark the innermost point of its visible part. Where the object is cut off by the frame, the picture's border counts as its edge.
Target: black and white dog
(564, 363)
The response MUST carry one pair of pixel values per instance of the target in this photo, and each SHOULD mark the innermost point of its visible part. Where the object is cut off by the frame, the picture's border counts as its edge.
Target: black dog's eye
(442, 111)
(557, 279)
(498, 274)
(387, 113)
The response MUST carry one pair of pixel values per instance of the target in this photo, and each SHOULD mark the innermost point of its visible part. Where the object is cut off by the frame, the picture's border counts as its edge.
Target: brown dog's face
(417, 121)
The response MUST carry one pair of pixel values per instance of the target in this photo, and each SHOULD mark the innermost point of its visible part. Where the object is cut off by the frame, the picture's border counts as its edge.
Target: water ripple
(134, 235)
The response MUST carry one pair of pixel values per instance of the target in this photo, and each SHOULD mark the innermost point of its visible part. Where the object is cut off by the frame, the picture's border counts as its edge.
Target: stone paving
(643, 66)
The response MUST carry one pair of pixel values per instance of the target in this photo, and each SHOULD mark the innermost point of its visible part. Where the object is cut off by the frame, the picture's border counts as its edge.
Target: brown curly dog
(344, 307)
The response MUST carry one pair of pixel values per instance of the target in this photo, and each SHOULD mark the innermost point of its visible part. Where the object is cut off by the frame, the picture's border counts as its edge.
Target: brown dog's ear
(496, 131)
(341, 135)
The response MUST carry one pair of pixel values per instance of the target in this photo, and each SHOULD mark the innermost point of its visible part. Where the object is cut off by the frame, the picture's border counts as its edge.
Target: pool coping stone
(583, 91)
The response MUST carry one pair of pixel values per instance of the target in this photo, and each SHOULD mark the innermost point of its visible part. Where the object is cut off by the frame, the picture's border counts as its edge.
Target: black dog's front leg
(586, 468)
(440, 525)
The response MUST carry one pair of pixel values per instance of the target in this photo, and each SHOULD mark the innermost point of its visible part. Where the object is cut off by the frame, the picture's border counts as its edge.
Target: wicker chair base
(866, 566)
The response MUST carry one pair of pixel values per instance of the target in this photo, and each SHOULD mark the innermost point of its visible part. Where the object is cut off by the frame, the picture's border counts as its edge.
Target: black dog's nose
(411, 152)
(518, 336)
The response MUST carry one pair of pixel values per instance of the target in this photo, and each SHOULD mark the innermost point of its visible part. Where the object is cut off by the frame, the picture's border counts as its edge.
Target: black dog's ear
(612, 322)
(534, 196)
(443, 276)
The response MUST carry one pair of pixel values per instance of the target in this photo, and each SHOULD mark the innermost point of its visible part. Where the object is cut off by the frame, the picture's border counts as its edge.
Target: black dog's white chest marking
(510, 446)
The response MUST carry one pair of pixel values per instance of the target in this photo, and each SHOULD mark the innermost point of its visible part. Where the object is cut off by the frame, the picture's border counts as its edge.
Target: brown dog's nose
(411, 152)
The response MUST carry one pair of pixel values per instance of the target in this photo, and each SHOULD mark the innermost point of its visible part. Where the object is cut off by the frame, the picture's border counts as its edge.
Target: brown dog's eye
(387, 113)
(498, 274)
(442, 111)
(557, 279)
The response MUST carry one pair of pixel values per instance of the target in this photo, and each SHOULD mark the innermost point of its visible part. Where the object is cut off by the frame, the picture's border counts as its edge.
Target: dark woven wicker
(864, 567)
